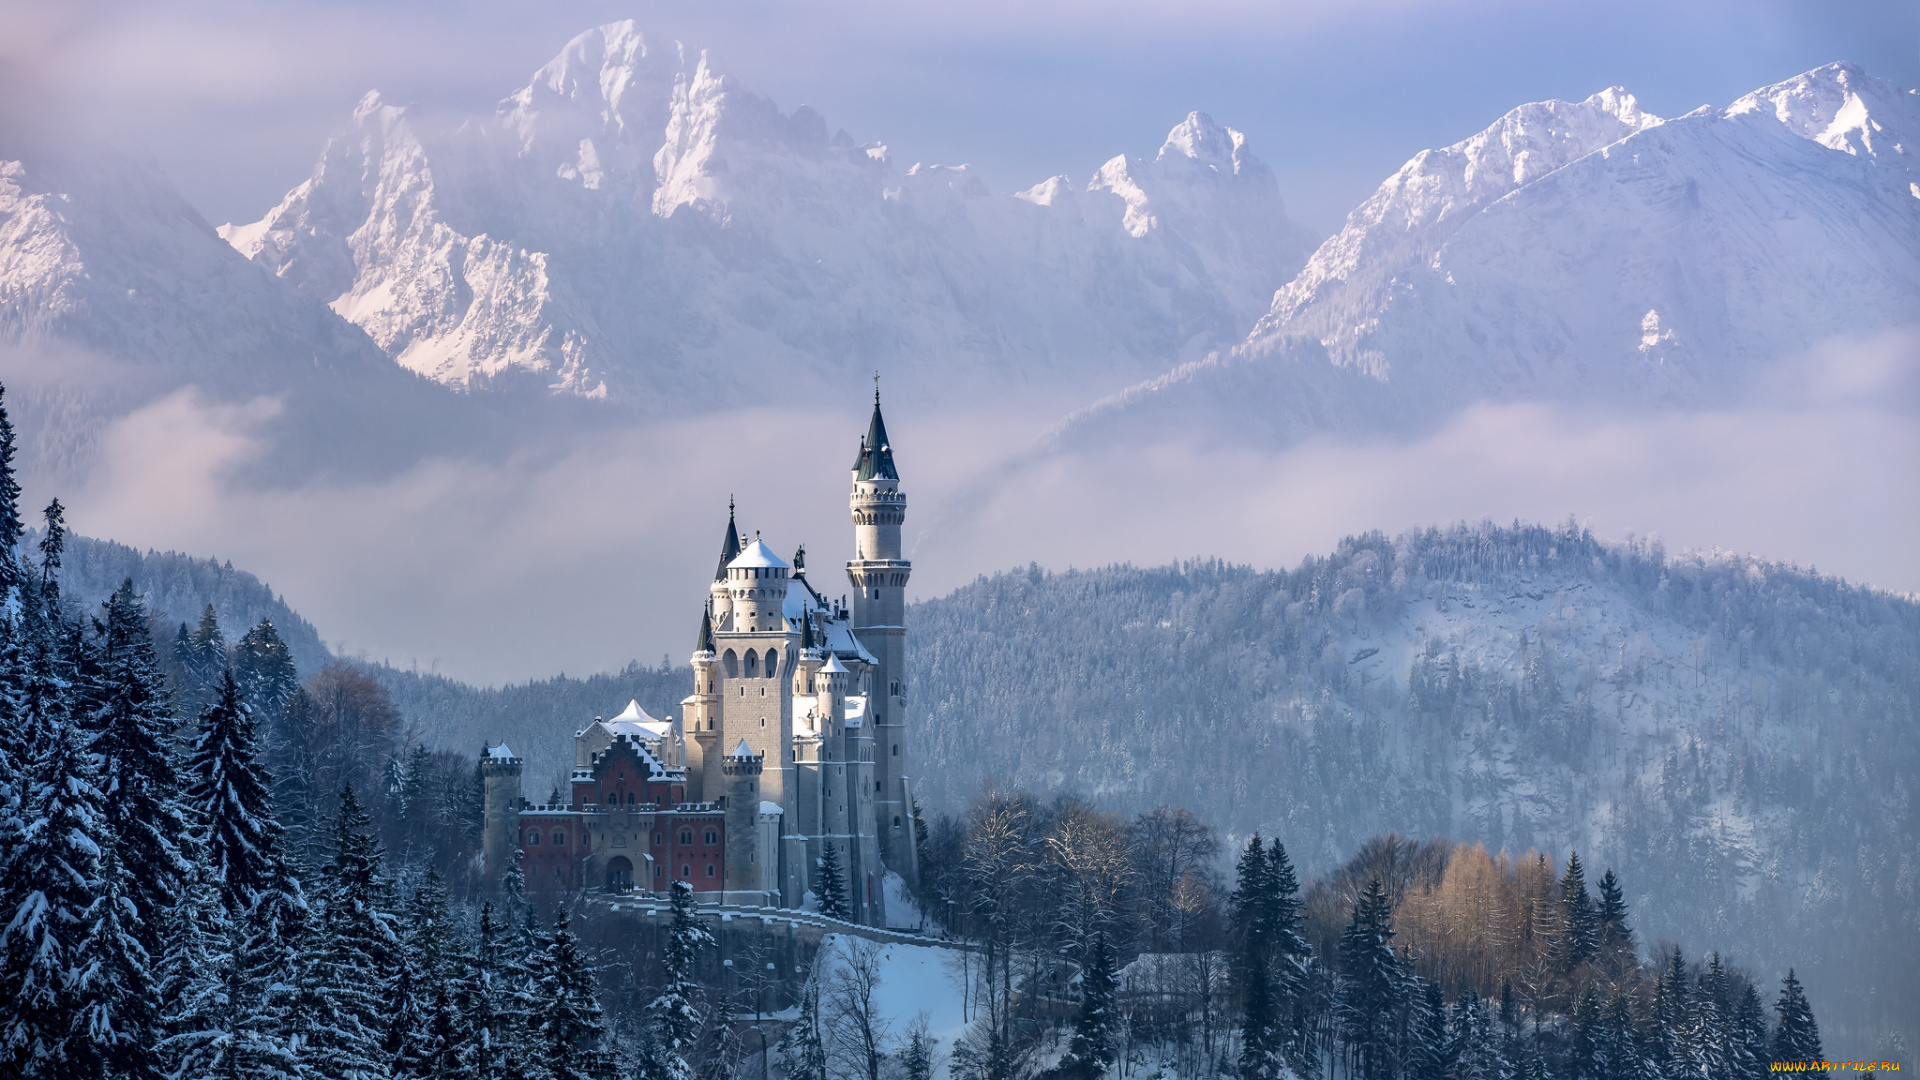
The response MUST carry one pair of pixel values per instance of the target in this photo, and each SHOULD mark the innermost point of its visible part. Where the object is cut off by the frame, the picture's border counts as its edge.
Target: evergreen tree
(1579, 938)
(802, 1050)
(571, 1027)
(676, 1014)
(1253, 929)
(443, 1036)
(338, 1016)
(1473, 1049)
(916, 1058)
(140, 787)
(51, 881)
(206, 659)
(1427, 1058)
(832, 895)
(481, 1034)
(1610, 916)
(10, 524)
(407, 1044)
(1289, 954)
(1372, 985)
(1093, 1048)
(430, 930)
(1670, 1002)
(263, 665)
(1747, 1034)
(1796, 1037)
(229, 794)
(116, 1021)
(290, 761)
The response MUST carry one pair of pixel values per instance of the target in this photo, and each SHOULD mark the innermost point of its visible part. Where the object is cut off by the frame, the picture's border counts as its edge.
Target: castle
(793, 741)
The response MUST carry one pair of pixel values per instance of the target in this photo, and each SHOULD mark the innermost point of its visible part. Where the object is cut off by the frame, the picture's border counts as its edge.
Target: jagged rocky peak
(1220, 149)
(1842, 107)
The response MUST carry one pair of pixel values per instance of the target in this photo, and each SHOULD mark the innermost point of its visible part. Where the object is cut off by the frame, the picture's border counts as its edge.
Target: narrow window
(773, 663)
(712, 837)
(686, 836)
(709, 869)
(533, 839)
(559, 839)
(896, 749)
(686, 870)
(752, 665)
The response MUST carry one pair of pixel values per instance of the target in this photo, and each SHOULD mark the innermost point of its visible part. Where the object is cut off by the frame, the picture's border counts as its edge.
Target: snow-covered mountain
(635, 224)
(1586, 253)
(115, 292)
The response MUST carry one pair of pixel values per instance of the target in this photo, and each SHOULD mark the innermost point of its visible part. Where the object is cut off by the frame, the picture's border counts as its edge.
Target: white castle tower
(879, 575)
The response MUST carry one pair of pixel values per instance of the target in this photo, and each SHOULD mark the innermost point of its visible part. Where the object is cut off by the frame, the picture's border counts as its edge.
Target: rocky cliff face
(636, 225)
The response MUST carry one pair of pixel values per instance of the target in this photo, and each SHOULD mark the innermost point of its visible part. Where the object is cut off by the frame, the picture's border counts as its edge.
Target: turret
(500, 809)
(700, 713)
(720, 602)
(749, 869)
(757, 585)
(879, 575)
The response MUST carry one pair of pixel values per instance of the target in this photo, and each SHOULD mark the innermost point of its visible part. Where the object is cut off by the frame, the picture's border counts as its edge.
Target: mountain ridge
(1580, 253)
(734, 229)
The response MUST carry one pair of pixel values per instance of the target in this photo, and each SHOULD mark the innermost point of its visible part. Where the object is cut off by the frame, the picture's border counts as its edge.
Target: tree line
(1114, 946)
(192, 884)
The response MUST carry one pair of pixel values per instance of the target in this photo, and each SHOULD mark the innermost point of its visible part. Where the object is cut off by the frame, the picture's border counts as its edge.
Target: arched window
(533, 839)
(753, 665)
(686, 870)
(632, 798)
(709, 869)
(773, 663)
(559, 839)
(731, 663)
(712, 837)
(686, 836)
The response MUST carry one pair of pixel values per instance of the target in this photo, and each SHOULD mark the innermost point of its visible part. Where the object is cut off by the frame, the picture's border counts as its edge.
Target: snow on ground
(914, 979)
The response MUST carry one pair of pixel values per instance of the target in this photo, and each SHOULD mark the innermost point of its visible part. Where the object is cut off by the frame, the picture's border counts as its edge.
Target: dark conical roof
(730, 547)
(706, 632)
(876, 453)
(806, 634)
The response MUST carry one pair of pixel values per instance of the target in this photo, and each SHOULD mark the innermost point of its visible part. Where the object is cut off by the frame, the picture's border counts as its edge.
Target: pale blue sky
(234, 98)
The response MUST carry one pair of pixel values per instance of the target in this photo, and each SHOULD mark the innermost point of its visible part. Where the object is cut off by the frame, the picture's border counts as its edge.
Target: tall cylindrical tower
(500, 810)
(879, 575)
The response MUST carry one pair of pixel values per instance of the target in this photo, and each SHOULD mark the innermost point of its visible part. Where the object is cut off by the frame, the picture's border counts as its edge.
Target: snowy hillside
(1732, 735)
(635, 224)
(1587, 253)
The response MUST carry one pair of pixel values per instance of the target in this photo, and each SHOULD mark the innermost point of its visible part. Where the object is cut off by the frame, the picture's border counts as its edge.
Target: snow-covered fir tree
(571, 1029)
(51, 882)
(832, 893)
(1096, 1031)
(140, 787)
(676, 1012)
(1796, 1037)
(349, 959)
(230, 797)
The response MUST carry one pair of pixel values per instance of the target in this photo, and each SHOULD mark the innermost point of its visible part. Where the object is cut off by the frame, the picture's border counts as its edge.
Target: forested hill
(1738, 737)
(178, 588)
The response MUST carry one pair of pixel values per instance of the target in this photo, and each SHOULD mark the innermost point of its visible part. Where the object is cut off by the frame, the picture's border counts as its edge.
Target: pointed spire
(806, 634)
(876, 453)
(706, 633)
(730, 547)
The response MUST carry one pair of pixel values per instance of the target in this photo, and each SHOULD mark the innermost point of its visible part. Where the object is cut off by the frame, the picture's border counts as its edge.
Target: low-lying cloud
(583, 556)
